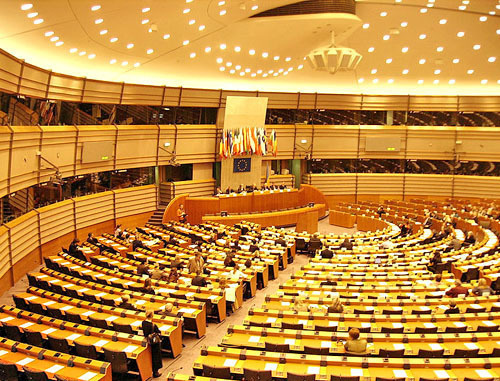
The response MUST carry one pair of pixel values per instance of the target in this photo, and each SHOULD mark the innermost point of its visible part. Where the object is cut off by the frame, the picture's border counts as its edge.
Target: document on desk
(25, 361)
(48, 331)
(313, 370)
(483, 373)
(26, 325)
(130, 348)
(230, 362)
(87, 376)
(271, 366)
(254, 339)
(400, 373)
(54, 368)
(356, 372)
(101, 343)
(3, 352)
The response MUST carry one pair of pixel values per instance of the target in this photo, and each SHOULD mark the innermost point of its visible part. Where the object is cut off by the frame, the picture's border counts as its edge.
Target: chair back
(118, 361)
(8, 372)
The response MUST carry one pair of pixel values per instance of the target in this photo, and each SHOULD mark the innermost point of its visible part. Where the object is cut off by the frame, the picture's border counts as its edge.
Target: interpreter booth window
(182, 172)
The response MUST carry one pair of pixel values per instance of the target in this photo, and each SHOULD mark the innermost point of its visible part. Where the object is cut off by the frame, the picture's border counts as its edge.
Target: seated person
(470, 239)
(283, 186)
(457, 290)
(143, 269)
(172, 276)
(229, 261)
(156, 273)
(218, 191)
(354, 343)
(437, 280)
(434, 262)
(137, 243)
(346, 244)
(124, 302)
(73, 247)
(177, 262)
(199, 281)
(147, 288)
(281, 242)
(336, 306)
(482, 288)
(167, 310)
(455, 244)
(453, 309)
(92, 240)
(326, 253)
(300, 305)
(315, 241)
(248, 263)
(236, 274)
(241, 188)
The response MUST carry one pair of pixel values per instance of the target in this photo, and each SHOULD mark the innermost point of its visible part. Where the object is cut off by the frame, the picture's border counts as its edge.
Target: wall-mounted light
(303, 141)
(166, 144)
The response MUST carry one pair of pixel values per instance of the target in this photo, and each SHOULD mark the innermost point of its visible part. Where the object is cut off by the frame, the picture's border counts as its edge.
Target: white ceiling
(173, 62)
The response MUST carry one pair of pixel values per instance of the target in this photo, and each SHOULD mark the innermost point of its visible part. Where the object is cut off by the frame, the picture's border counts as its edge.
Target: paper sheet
(230, 362)
(25, 361)
(270, 366)
(254, 339)
(441, 374)
(87, 376)
(54, 368)
(101, 343)
(130, 348)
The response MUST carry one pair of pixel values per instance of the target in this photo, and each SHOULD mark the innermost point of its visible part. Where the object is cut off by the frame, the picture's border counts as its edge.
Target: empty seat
(34, 375)
(8, 372)
(37, 308)
(126, 328)
(300, 377)
(277, 347)
(74, 318)
(216, 371)
(34, 338)
(98, 323)
(257, 375)
(455, 329)
(426, 329)
(55, 313)
(118, 360)
(21, 303)
(391, 353)
(466, 353)
(87, 351)
(429, 353)
(291, 326)
(344, 378)
(316, 350)
(392, 330)
(389, 379)
(59, 345)
(13, 332)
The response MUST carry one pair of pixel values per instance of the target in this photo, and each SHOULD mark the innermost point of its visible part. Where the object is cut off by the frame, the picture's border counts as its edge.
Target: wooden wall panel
(335, 141)
(435, 185)
(380, 183)
(136, 200)
(430, 143)
(102, 92)
(94, 209)
(64, 87)
(30, 260)
(280, 100)
(433, 103)
(475, 103)
(477, 186)
(136, 146)
(34, 81)
(195, 188)
(58, 146)
(285, 134)
(195, 143)
(94, 134)
(332, 184)
(56, 220)
(385, 102)
(10, 70)
(24, 162)
(142, 95)
(200, 98)
(4, 250)
(5, 136)
(338, 101)
(24, 235)
(481, 144)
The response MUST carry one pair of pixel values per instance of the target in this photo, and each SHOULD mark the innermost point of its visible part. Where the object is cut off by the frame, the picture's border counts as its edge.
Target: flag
(242, 165)
(267, 174)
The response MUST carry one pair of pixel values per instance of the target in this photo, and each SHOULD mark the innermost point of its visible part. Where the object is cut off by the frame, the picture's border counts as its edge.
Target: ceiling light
(208, 49)
(276, 58)
(94, 8)
(421, 61)
(383, 14)
(191, 22)
(237, 67)
(492, 59)
(405, 71)
(361, 80)
(232, 71)
(145, 21)
(492, 13)
(484, 81)
(219, 60)
(38, 21)
(130, 46)
(102, 32)
(465, 1)
(124, 63)
(483, 18)
(113, 61)
(247, 70)
(470, 71)
(371, 49)
(436, 81)
(430, 5)
(422, 36)
(437, 71)
(386, 37)
(192, 55)
(443, 21)
(420, 81)
(498, 31)
(451, 81)
(229, 64)
(54, 39)
(49, 33)
(375, 80)
(275, 74)
(366, 26)
(264, 75)
(150, 51)
(255, 7)
(185, 42)
(221, 3)
(187, 10)
(390, 80)
(374, 71)
(82, 53)
(254, 75)
(476, 47)
(26, 6)
(404, 24)
(223, 12)
(201, 27)
(423, 10)
(456, 60)
(288, 59)
(460, 34)
(73, 50)
(405, 49)
(32, 14)
(144, 10)
(300, 67)
(265, 54)
(237, 49)
(251, 52)
(98, 21)
(388, 60)
(462, 7)
(222, 46)
(114, 39)
(189, 1)
(59, 43)
(137, 64)
(222, 68)
(166, 36)
(259, 71)
(90, 56)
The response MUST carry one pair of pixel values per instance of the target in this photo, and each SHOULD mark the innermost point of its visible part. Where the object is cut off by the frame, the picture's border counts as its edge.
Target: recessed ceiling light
(259, 71)
(484, 81)
(222, 68)
(436, 81)
(404, 49)
(371, 49)
(404, 24)
(98, 21)
(201, 27)
(264, 75)
(191, 22)
(147, 9)
(476, 47)
(498, 31)
(59, 43)
(137, 64)
(366, 26)
(49, 33)
(229, 64)
(91, 56)
(386, 37)
(219, 60)
(451, 81)
(145, 21)
(251, 52)
(275, 74)
(437, 71)
(388, 60)
(443, 21)
(288, 59)
(492, 59)
(222, 46)
(113, 61)
(276, 58)
(237, 67)
(390, 80)
(470, 71)
(82, 53)
(406, 71)
(73, 50)
(114, 39)
(130, 46)
(38, 21)
(460, 34)
(465, 1)
(232, 71)
(421, 61)
(192, 55)
(492, 13)
(462, 7)
(247, 70)
(374, 71)
(361, 80)
(223, 12)
(265, 54)
(185, 42)
(32, 14)
(26, 6)
(383, 14)
(300, 67)
(430, 5)
(423, 10)
(254, 75)
(221, 3)
(255, 7)
(422, 36)
(54, 39)
(94, 8)
(187, 10)
(237, 49)
(166, 36)
(483, 18)
(103, 32)
(456, 60)
(208, 49)
(124, 63)
(420, 81)
(150, 51)
(398, 1)
(375, 80)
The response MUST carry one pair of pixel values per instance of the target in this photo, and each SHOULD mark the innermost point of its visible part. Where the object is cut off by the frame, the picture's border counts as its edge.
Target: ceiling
(408, 46)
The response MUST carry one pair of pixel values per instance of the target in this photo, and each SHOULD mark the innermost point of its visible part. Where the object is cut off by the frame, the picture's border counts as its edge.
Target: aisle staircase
(157, 216)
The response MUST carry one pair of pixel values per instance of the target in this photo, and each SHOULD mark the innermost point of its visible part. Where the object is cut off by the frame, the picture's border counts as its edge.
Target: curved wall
(27, 239)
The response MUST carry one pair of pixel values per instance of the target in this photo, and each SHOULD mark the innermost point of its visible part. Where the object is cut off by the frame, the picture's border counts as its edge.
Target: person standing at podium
(181, 214)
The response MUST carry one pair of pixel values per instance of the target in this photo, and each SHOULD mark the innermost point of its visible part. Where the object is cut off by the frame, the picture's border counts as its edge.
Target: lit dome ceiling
(408, 46)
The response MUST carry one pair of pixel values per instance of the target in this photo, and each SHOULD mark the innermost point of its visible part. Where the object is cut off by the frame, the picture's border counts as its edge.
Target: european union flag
(242, 165)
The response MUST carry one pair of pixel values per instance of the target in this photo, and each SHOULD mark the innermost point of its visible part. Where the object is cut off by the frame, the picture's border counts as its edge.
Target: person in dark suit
(91, 239)
(470, 239)
(75, 251)
(453, 309)
(199, 281)
(149, 328)
(280, 241)
(435, 261)
(124, 302)
(326, 253)
(137, 243)
(346, 244)
(176, 263)
(315, 241)
(143, 269)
